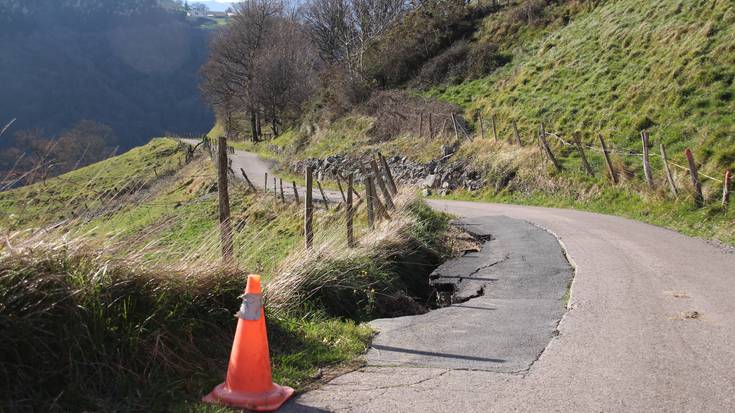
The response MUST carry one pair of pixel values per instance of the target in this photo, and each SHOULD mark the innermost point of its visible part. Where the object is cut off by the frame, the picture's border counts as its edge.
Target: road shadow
(293, 406)
(473, 307)
(435, 354)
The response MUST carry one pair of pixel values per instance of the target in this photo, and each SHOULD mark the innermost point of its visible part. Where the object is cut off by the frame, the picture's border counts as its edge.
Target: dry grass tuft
(387, 269)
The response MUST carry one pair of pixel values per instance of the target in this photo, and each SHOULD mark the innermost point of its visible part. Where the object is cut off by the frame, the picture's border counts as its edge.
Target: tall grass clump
(385, 275)
(80, 330)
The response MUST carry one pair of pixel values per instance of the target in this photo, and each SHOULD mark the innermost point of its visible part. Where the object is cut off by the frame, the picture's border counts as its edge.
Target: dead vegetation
(385, 275)
(397, 113)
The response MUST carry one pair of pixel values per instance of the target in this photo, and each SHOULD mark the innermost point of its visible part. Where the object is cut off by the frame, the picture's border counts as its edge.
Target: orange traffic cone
(249, 382)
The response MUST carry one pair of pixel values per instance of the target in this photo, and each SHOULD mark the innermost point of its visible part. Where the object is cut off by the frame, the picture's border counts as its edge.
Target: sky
(216, 5)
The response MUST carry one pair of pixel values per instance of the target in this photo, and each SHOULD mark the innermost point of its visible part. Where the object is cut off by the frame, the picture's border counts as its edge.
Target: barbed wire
(629, 154)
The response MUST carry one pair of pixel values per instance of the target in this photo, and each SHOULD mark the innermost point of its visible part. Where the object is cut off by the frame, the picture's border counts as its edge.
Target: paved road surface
(256, 168)
(630, 342)
(651, 327)
(519, 280)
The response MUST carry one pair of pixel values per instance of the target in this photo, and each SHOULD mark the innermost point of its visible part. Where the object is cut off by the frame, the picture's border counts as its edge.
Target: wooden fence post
(586, 164)
(369, 196)
(350, 214)
(495, 130)
(482, 125)
(224, 202)
(378, 206)
(250, 184)
(421, 124)
(381, 184)
(283, 197)
(339, 185)
(309, 209)
(610, 168)
(388, 173)
(669, 176)
(698, 197)
(454, 123)
(295, 192)
(265, 184)
(431, 128)
(516, 134)
(324, 197)
(726, 190)
(646, 165)
(547, 149)
(275, 188)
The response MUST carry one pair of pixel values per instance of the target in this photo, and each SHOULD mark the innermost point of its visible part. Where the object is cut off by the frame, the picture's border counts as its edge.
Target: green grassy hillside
(613, 70)
(627, 65)
(610, 68)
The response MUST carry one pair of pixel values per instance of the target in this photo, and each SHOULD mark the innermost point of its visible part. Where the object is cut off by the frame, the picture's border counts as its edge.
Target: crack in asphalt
(395, 386)
(486, 266)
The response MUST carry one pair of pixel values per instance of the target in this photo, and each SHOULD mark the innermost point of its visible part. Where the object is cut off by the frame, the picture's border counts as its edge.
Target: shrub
(450, 66)
(422, 34)
(460, 62)
(398, 113)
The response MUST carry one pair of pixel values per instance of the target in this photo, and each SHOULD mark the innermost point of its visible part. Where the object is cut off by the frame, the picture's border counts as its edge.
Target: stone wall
(440, 175)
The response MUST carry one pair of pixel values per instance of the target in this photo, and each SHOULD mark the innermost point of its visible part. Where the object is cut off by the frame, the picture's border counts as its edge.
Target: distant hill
(129, 64)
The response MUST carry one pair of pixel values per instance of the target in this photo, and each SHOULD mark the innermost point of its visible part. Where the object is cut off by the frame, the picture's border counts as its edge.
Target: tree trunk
(257, 124)
(254, 126)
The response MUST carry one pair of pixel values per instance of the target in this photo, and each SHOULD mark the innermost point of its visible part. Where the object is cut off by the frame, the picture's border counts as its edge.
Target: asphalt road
(509, 300)
(650, 328)
(256, 168)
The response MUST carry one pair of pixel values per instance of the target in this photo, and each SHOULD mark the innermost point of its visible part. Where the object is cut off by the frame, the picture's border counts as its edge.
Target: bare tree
(343, 30)
(229, 75)
(286, 73)
(263, 62)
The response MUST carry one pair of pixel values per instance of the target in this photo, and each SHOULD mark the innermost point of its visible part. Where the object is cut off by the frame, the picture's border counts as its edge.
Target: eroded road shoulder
(508, 299)
(518, 280)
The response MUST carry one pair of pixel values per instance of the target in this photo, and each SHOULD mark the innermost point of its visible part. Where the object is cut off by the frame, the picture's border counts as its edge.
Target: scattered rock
(691, 315)
(430, 181)
(438, 173)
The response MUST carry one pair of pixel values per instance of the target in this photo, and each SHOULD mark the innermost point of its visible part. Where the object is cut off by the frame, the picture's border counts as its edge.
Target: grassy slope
(167, 231)
(178, 216)
(626, 65)
(73, 194)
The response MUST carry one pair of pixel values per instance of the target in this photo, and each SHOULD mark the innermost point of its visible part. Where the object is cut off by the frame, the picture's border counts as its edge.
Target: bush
(422, 34)
(398, 113)
(483, 59)
(450, 66)
(460, 62)
(529, 11)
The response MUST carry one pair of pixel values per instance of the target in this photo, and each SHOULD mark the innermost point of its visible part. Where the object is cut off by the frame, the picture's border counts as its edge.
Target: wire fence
(461, 130)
